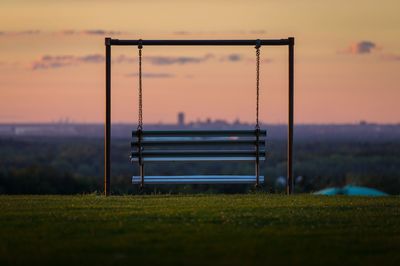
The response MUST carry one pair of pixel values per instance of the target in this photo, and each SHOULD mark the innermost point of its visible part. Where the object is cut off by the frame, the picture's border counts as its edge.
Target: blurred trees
(75, 165)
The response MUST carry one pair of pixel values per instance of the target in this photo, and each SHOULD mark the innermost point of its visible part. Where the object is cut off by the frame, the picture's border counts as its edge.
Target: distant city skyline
(359, 132)
(182, 121)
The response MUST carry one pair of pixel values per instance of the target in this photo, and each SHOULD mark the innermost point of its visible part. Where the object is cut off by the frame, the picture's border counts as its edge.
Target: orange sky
(347, 60)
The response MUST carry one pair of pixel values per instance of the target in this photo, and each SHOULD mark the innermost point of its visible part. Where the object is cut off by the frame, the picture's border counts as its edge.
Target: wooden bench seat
(198, 145)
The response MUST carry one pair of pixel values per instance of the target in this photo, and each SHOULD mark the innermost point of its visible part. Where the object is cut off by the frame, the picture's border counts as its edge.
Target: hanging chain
(257, 81)
(258, 45)
(140, 114)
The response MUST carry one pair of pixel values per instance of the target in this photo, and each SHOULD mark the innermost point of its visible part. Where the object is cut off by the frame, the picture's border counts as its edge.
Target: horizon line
(360, 123)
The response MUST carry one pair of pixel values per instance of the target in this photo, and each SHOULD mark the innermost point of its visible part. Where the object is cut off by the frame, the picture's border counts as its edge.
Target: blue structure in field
(350, 190)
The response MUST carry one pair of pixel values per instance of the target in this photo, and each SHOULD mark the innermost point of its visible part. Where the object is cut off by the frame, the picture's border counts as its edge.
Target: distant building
(181, 119)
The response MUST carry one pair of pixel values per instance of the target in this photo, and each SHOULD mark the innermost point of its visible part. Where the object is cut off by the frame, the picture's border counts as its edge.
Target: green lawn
(183, 230)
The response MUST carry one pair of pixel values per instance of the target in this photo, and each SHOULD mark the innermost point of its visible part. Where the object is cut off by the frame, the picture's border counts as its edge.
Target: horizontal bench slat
(198, 159)
(200, 148)
(197, 153)
(195, 133)
(201, 142)
(198, 179)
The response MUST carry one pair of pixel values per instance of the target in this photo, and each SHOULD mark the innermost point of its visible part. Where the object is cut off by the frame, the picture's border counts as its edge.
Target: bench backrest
(198, 145)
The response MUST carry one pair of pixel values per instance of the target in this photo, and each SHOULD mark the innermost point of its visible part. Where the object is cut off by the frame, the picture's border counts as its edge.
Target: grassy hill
(254, 229)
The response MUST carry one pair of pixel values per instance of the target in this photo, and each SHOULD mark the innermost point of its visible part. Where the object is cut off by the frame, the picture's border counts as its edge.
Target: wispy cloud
(369, 47)
(48, 61)
(101, 32)
(20, 33)
(151, 75)
(179, 60)
(166, 60)
(108, 32)
(362, 47)
(58, 61)
(98, 32)
(232, 58)
(93, 58)
(66, 32)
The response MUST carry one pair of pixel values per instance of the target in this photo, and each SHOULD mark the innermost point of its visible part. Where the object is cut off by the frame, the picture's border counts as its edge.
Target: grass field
(201, 230)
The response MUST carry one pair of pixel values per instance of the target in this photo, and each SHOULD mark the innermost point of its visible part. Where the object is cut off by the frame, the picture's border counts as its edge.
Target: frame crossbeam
(277, 42)
(270, 42)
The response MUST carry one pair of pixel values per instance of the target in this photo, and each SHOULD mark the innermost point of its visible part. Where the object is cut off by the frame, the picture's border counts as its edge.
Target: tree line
(75, 165)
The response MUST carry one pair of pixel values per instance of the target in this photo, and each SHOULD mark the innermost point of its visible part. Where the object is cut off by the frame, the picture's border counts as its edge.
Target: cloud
(179, 60)
(105, 32)
(151, 75)
(232, 58)
(369, 47)
(66, 32)
(93, 58)
(48, 61)
(238, 58)
(20, 33)
(100, 32)
(58, 61)
(93, 32)
(235, 57)
(362, 47)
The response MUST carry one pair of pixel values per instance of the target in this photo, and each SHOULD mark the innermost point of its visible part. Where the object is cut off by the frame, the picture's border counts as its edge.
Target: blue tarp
(351, 191)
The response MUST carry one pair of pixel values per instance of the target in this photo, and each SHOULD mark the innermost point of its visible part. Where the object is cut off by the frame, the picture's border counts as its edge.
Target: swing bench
(203, 145)
(197, 146)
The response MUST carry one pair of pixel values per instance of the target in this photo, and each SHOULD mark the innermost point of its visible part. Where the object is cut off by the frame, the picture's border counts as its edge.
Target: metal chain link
(140, 114)
(257, 84)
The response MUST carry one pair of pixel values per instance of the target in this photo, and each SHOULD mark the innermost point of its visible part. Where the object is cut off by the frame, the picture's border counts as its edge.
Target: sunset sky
(347, 58)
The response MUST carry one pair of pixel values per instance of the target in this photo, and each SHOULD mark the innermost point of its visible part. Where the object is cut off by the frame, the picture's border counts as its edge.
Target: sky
(347, 60)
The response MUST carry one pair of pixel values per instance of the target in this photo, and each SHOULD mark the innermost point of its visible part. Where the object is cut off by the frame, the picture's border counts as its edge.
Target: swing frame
(263, 42)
